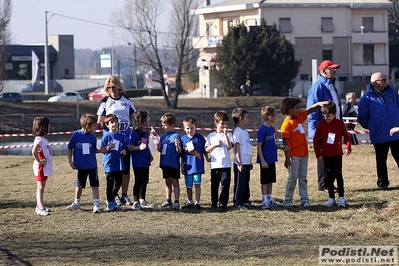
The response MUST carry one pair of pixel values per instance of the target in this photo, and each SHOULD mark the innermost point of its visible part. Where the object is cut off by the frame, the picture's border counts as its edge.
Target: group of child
(186, 155)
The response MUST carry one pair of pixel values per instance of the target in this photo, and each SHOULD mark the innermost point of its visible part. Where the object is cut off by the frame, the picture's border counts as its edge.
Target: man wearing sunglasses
(378, 111)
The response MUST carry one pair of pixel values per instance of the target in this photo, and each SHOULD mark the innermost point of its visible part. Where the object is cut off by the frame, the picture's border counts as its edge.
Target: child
(169, 147)
(348, 110)
(141, 158)
(296, 156)
(192, 161)
(327, 143)
(83, 147)
(267, 156)
(43, 164)
(113, 162)
(218, 144)
(242, 159)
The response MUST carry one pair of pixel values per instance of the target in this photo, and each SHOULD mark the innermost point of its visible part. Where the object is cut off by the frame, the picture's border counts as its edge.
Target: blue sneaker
(112, 206)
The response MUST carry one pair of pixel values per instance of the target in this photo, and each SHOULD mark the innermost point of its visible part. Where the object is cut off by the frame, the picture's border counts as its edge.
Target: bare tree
(141, 19)
(5, 37)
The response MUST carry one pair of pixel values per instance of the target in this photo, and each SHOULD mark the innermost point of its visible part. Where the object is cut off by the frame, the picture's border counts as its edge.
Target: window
(368, 24)
(66, 71)
(285, 25)
(208, 30)
(327, 25)
(368, 54)
(304, 76)
(327, 55)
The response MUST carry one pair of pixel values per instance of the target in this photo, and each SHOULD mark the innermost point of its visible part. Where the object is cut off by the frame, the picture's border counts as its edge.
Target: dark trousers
(381, 156)
(141, 178)
(241, 184)
(220, 176)
(114, 182)
(321, 176)
(333, 168)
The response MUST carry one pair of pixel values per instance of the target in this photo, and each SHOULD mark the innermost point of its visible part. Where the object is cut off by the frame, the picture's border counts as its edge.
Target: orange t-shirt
(294, 131)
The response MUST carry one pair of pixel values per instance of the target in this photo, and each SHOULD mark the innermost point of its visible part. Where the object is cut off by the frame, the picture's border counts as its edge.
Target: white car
(66, 96)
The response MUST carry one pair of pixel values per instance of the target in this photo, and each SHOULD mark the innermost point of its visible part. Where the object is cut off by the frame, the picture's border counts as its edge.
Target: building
(351, 33)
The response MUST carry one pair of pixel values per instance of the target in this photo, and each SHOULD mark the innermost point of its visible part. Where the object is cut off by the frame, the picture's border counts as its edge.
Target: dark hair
(238, 114)
(168, 118)
(329, 108)
(139, 117)
(40, 126)
(109, 118)
(220, 116)
(288, 104)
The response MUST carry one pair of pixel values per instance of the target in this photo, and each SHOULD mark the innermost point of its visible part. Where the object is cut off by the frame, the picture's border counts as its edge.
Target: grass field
(282, 236)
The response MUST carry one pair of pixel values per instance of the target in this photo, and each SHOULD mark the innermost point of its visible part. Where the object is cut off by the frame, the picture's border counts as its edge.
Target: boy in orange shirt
(296, 156)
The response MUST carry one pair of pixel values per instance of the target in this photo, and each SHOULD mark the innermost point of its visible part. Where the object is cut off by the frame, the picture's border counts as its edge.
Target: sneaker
(112, 206)
(214, 205)
(188, 206)
(117, 201)
(221, 207)
(342, 202)
(274, 204)
(125, 201)
(248, 205)
(241, 207)
(166, 204)
(43, 211)
(74, 206)
(176, 206)
(96, 208)
(146, 204)
(288, 204)
(330, 202)
(136, 206)
(266, 206)
(306, 204)
(197, 207)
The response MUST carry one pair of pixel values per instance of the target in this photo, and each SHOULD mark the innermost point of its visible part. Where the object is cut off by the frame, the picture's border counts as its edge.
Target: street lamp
(135, 69)
(361, 32)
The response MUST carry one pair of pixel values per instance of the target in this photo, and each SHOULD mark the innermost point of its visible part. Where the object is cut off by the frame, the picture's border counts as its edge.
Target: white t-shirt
(241, 136)
(220, 156)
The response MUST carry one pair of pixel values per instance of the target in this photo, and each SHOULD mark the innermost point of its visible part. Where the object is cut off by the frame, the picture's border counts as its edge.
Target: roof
(234, 5)
(26, 50)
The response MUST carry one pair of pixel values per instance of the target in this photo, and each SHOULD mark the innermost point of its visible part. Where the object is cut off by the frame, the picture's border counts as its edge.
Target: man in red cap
(323, 90)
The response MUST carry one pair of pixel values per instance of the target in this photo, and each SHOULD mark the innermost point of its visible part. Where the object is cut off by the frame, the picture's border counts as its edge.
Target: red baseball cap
(329, 64)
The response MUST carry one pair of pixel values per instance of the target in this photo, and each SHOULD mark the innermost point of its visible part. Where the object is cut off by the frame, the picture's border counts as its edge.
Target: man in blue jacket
(378, 111)
(323, 90)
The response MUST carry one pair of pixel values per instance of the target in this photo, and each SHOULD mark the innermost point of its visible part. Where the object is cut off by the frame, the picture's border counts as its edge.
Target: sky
(28, 21)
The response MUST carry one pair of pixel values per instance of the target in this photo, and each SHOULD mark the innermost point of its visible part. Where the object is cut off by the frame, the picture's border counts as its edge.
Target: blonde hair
(267, 111)
(117, 83)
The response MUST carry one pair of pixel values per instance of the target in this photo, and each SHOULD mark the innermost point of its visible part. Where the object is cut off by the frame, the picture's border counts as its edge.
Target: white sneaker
(96, 208)
(74, 206)
(126, 201)
(288, 204)
(274, 204)
(342, 202)
(146, 204)
(330, 202)
(117, 201)
(136, 206)
(43, 211)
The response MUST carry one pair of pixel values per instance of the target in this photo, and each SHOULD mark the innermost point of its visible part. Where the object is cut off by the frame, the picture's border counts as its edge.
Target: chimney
(207, 2)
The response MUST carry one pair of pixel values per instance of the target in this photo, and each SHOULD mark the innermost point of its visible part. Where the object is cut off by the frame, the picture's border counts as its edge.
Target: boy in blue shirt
(113, 162)
(192, 161)
(170, 149)
(83, 146)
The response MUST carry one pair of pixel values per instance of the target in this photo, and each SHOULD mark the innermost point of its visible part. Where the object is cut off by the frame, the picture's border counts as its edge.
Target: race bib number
(123, 126)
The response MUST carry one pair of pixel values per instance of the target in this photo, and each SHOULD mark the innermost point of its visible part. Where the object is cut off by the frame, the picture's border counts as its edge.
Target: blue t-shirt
(267, 136)
(84, 149)
(113, 160)
(169, 155)
(191, 163)
(140, 158)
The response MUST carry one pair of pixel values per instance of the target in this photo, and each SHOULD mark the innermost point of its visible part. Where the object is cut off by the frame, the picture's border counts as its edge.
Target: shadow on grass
(375, 189)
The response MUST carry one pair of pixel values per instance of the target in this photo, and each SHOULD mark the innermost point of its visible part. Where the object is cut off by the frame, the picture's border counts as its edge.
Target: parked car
(98, 94)
(66, 96)
(11, 97)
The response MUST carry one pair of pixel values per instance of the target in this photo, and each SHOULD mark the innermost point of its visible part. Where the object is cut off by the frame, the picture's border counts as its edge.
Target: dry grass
(164, 237)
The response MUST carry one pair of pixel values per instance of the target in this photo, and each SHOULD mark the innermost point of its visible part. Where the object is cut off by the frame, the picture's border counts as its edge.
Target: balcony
(204, 42)
(370, 37)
